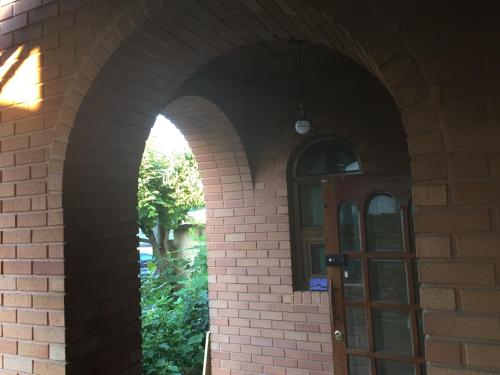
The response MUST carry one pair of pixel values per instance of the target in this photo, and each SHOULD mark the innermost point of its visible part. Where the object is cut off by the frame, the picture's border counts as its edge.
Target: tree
(169, 186)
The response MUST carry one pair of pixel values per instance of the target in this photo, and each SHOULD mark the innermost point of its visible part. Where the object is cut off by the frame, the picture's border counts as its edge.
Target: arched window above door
(326, 156)
(321, 158)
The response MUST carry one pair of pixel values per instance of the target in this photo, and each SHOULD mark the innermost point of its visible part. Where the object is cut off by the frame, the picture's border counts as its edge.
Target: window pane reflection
(359, 365)
(331, 155)
(392, 331)
(349, 227)
(318, 259)
(383, 224)
(388, 281)
(387, 367)
(311, 205)
(353, 280)
(357, 336)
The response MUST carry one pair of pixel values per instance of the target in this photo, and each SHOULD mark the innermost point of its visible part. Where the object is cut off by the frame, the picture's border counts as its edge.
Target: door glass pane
(311, 205)
(359, 365)
(353, 280)
(387, 367)
(383, 224)
(349, 227)
(388, 281)
(318, 259)
(392, 331)
(357, 337)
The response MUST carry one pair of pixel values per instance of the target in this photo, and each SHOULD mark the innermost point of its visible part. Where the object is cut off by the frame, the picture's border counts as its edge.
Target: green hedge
(175, 317)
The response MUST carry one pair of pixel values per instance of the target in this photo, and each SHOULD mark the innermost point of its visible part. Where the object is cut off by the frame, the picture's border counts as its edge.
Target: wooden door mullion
(389, 356)
(335, 275)
(412, 288)
(366, 285)
(416, 344)
(382, 305)
(405, 234)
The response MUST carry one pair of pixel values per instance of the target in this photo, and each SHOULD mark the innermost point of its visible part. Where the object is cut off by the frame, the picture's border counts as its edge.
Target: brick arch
(130, 76)
(455, 184)
(357, 30)
(221, 160)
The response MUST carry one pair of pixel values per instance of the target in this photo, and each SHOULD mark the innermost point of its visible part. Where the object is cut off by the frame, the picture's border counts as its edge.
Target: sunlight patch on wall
(20, 80)
(9, 63)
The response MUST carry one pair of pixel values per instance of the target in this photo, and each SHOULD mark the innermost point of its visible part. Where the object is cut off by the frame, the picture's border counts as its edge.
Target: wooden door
(373, 285)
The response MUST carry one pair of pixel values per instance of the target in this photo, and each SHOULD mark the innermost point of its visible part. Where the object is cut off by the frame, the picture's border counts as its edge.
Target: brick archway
(133, 72)
(99, 202)
(223, 166)
(354, 29)
(437, 59)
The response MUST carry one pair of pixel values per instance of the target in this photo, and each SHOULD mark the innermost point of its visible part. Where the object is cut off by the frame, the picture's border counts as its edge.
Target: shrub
(175, 316)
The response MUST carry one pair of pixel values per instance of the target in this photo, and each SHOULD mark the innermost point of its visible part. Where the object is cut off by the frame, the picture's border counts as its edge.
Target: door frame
(400, 188)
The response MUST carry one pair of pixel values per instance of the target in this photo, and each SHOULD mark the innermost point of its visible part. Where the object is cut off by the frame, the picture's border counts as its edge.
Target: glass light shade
(302, 126)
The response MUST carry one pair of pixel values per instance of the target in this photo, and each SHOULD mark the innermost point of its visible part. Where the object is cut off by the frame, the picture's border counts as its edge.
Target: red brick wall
(261, 325)
(438, 61)
(258, 324)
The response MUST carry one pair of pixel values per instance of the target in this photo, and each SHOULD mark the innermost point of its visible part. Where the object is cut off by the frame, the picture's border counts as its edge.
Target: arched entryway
(101, 260)
(153, 55)
(129, 59)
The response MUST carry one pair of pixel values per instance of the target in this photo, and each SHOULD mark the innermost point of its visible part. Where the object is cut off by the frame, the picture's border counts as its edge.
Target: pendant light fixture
(302, 124)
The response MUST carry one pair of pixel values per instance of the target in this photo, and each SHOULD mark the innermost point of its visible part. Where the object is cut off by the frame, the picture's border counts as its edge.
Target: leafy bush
(175, 316)
(169, 187)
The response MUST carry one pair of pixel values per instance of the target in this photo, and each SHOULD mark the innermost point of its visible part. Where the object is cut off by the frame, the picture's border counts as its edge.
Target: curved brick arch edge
(398, 71)
(220, 156)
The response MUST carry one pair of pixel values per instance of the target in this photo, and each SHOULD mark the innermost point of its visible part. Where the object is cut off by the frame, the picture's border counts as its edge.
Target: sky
(165, 137)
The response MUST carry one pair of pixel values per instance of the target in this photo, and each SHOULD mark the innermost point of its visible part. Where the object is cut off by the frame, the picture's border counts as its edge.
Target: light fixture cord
(301, 75)
(301, 84)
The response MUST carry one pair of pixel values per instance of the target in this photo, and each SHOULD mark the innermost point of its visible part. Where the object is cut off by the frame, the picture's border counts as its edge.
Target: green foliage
(169, 186)
(175, 316)
(174, 292)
